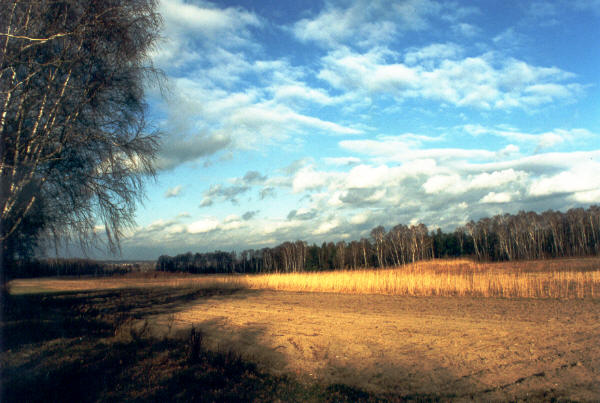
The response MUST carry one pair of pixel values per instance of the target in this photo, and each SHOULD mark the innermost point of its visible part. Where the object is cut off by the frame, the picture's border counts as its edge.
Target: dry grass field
(559, 278)
(441, 330)
(458, 348)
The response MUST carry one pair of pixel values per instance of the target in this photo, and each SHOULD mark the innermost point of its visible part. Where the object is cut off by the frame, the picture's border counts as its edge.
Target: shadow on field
(38, 318)
(331, 341)
(351, 381)
(97, 346)
(92, 347)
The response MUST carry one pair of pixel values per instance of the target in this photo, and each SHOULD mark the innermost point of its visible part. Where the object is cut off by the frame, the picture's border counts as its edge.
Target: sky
(286, 120)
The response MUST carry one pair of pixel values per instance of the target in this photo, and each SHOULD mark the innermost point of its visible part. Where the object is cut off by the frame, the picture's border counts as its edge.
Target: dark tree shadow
(92, 347)
(36, 318)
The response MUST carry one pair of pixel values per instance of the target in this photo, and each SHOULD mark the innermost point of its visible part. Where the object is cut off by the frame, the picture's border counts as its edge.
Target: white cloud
(456, 184)
(389, 149)
(231, 225)
(174, 191)
(276, 122)
(308, 179)
(582, 177)
(539, 140)
(190, 29)
(433, 51)
(465, 29)
(302, 91)
(365, 23)
(202, 226)
(205, 20)
(367, 176)
(359, 218)
(326, 226)
(493, 197)
(443, 183)
(488, 81)
(588, 197)
(496, 179)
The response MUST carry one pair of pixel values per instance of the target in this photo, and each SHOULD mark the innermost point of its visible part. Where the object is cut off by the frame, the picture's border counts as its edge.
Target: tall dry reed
(444, 278)
(561, 278)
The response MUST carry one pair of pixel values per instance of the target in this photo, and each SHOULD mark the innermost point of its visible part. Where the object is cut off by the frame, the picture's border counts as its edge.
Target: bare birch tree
(75, 150)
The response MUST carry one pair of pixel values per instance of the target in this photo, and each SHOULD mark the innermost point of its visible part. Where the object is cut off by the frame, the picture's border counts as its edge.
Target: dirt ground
(436, 347)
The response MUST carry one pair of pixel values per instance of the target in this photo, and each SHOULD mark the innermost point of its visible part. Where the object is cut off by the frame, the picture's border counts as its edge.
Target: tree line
(526, 235)
(67, 267)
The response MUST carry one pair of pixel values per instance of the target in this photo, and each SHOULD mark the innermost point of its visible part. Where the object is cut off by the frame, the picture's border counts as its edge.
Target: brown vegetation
(557, 278)
(129, 337)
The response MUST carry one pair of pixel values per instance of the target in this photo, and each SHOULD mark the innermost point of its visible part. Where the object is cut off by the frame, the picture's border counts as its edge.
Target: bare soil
(448, 348)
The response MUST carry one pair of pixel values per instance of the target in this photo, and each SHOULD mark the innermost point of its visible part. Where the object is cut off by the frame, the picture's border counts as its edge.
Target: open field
(372, 341)
(559, 278)
(434, 347)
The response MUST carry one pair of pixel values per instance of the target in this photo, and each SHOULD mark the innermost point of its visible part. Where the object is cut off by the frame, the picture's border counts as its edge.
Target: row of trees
(400, 245)
(502, 237)
(64, 267)
(537, 236)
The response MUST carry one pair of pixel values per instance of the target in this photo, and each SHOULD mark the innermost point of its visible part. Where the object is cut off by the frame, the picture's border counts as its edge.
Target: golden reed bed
(561, 278)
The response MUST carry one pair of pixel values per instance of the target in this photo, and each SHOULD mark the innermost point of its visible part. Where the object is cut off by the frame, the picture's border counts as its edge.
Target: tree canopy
(75, 149)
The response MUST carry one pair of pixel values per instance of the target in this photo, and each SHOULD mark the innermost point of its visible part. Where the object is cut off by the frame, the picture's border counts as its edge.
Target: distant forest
(526, 235)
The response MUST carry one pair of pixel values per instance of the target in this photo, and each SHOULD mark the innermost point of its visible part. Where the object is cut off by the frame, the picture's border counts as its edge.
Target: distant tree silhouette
(526, 235)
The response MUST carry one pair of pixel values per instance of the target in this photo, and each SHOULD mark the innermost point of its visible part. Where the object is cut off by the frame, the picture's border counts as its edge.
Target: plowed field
(440, 347)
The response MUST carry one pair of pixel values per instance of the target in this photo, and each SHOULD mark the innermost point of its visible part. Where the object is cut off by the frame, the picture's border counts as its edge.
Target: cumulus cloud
(326, 226)
(434, 51)
(391, 149)
(202, 226)
(581, 177)
(177, 151)
(224, 193)
(191, 29)
(254, 177)
(361, 196)
(230, 95)
(540, 141)
(209, 53)
(308, 179)
(457, 184)
(266, 192)
(364, 196)
(368, 23)
(493, 197)
(248, 215)
(273, 120)
(302, 214)
(174, 191)
(203, 121)
(299, 91)
(488, 81)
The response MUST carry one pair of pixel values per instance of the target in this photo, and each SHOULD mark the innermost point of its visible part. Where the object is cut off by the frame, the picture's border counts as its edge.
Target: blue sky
(288, 120)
